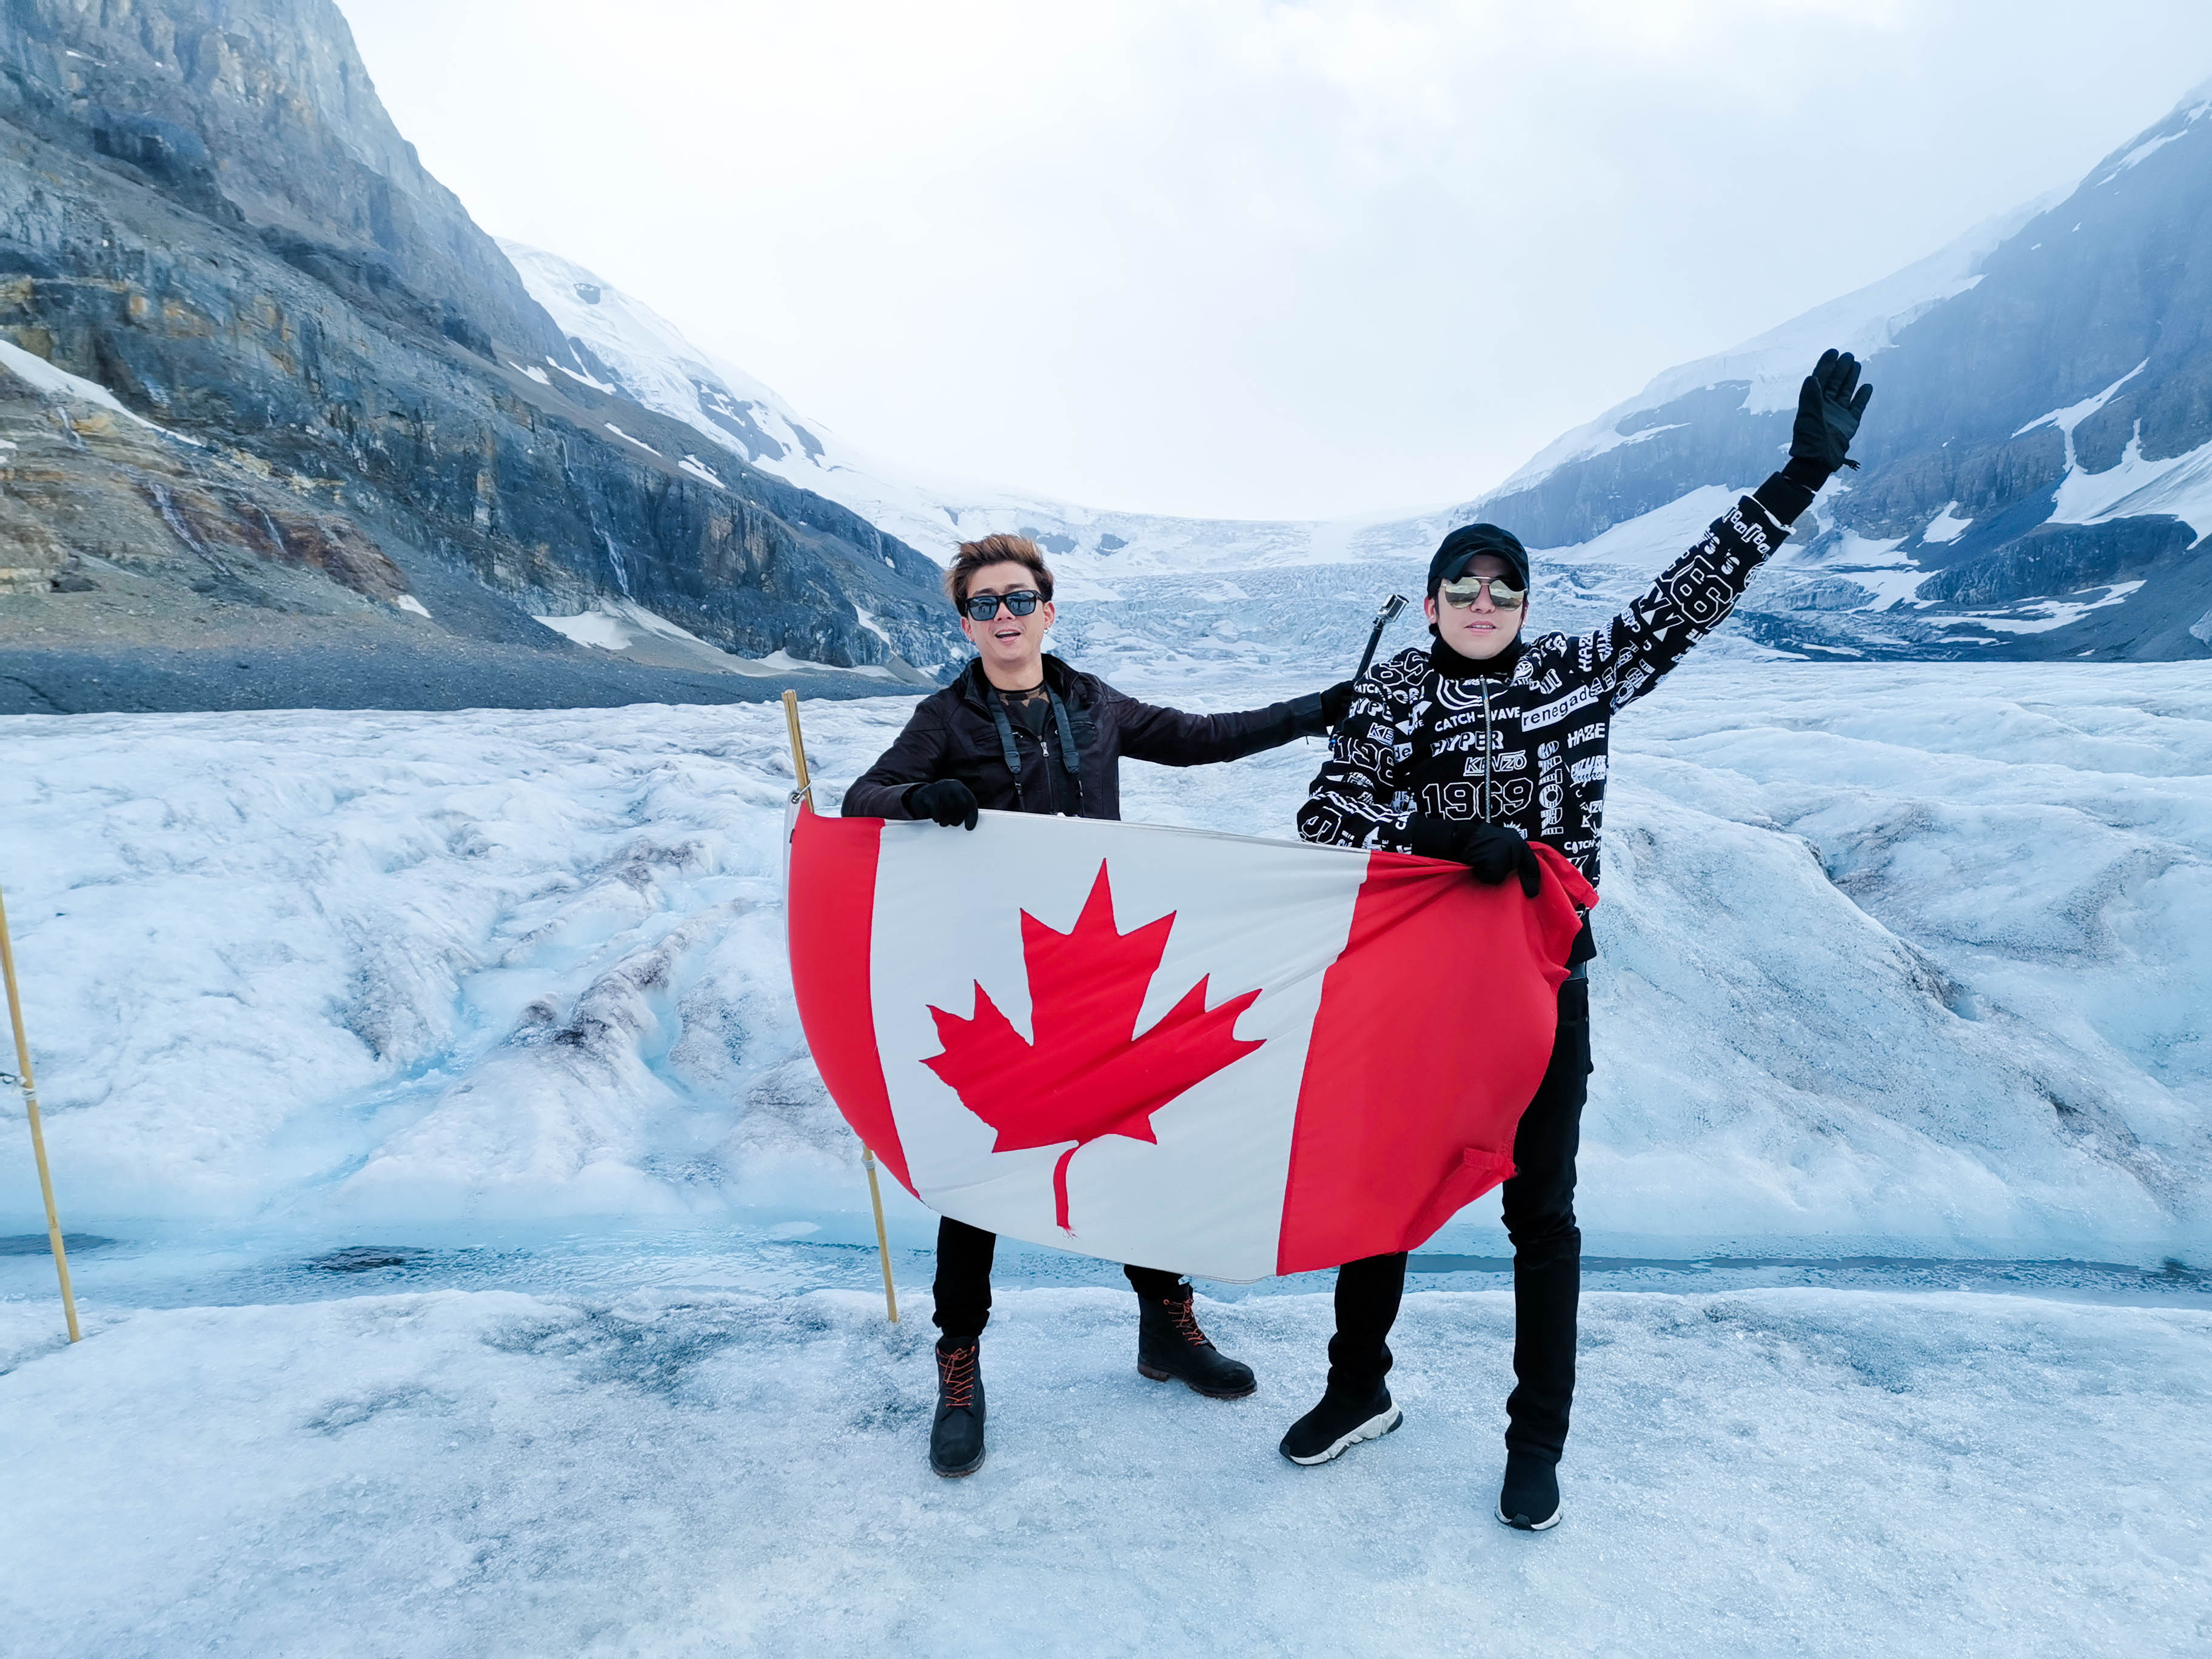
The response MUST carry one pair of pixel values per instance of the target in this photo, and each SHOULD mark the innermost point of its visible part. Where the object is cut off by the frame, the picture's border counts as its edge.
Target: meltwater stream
(201, 1269)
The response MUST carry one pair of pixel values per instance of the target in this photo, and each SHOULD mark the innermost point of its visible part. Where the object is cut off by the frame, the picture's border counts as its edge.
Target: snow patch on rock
(1947, 527)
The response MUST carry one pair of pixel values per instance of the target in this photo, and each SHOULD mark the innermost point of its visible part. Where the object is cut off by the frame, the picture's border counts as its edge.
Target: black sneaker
(1169, 1345)
(1335, 1425)
(1529, 1501)
(956, 1433)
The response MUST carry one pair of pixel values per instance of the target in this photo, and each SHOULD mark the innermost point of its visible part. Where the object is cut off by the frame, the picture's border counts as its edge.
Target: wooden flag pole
(38, 1134)
(867, 1157)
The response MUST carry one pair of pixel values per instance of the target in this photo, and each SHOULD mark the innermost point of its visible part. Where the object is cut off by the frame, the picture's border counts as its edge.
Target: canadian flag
(1208, 1054)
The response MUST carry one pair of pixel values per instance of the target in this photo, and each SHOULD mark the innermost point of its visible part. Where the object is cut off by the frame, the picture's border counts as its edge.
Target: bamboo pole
(867, 1157)
(38, 1133)
(883, 1239)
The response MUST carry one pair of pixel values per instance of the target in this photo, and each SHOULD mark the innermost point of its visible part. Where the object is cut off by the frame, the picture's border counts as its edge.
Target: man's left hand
(1497, 854)
(1493, 852)
(1829, 405)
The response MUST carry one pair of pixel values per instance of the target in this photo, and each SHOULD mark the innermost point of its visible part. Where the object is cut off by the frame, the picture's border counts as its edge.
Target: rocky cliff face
(2038, 465)
(204, 209)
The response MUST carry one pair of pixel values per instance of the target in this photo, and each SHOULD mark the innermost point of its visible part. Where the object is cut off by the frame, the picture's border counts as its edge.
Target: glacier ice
(1910, 954)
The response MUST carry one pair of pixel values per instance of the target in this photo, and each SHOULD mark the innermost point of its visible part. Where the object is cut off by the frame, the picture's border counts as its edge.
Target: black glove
(1335, 703)
(1491, 851)
(948, 801)
(1827, 418)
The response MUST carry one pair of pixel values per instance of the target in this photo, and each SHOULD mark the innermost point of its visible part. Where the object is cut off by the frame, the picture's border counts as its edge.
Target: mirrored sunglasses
(1467, 589)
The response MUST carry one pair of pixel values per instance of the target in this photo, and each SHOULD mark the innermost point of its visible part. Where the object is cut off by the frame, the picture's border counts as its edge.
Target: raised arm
(1694, 595)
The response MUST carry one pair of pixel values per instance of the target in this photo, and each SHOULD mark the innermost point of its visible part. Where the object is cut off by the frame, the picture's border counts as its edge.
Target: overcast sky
(1247, 258)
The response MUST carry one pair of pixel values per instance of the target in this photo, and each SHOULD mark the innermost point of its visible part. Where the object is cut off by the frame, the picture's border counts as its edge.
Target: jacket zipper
(1489, 748)
(1055, 791)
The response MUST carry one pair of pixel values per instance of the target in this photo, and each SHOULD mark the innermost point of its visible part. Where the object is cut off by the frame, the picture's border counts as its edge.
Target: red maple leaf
(1088, 1074)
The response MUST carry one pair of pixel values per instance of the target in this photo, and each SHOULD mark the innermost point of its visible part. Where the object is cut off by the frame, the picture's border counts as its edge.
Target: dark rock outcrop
(146, 572)
(204, 209)
(2054, 558)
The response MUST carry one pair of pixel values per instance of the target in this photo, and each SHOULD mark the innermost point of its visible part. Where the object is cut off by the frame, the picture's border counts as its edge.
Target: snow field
(493, 1474)
(1894, 957)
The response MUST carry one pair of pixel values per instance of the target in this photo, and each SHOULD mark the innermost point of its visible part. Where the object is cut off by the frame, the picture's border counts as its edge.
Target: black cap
(1461, 547)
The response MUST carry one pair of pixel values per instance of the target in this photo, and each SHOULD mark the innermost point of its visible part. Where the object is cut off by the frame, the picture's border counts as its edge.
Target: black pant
(1547, 1258)
(964, 1282)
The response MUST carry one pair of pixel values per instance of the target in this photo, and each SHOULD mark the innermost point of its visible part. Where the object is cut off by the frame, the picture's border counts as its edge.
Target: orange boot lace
(956, 1376)
(1185, 1319)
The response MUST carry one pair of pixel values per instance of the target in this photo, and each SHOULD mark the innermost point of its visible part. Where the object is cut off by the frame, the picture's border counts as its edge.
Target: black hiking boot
(1171, 1345)
(1338, 1423)
(956, 1433)
(1529, 1501)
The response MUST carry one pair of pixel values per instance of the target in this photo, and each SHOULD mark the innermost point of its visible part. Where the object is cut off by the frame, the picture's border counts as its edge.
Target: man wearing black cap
(1469, 750)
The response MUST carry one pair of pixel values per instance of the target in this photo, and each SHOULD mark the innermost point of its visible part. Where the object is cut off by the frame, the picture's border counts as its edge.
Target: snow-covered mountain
(2036, 475)
(2038, 469)
(1770, 366)
(630, 348)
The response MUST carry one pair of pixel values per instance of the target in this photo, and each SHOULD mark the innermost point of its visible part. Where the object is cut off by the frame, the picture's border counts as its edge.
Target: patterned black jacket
(1525, 742)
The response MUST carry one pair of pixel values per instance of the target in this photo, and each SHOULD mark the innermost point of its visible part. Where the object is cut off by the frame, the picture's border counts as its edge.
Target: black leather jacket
(1074, 767)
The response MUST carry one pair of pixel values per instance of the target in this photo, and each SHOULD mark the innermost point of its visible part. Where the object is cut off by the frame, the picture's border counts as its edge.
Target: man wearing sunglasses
(1469, 750)
(1021, 732)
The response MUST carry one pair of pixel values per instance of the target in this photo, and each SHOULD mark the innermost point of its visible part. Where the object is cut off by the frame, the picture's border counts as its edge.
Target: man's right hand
(1491, 851)
(948, 801)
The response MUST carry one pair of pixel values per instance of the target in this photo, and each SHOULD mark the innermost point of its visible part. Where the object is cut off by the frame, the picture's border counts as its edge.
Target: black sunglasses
(981, 607)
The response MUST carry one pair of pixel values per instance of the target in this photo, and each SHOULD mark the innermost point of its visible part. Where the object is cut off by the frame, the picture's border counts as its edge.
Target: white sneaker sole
(1373, 1428)
(1545, 1525)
